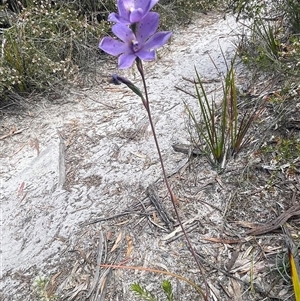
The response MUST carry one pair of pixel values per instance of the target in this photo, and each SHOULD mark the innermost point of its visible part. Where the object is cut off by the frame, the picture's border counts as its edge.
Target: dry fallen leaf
(129, 246)
(11, 132)
(175, 200)
(34, 143)
(116, 242)
(155, 217)
(108, 235)
(221, 240)
(102, 286)
(21, 188)
(52, 285)
(236, 290)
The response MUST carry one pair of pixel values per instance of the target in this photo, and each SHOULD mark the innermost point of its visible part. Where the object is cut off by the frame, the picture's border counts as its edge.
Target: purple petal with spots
(157, 40)
(113, 17)
(145, 5)
(136, 15)
(146, 55)
(113, 47)
(124, 7)
(126, 60)
(141, 43)
(147, 27)
(124, 33)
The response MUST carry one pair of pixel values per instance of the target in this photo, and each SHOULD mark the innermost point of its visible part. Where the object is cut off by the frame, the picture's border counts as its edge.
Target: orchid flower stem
(173, 199)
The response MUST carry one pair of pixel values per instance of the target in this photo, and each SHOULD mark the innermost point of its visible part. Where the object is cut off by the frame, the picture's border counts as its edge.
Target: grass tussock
(222, 129)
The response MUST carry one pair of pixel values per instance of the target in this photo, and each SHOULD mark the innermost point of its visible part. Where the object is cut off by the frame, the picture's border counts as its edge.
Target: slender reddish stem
(173, 199)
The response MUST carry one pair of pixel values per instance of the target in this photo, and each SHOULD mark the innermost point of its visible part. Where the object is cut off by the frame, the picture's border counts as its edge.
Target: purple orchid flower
(140, 45)
(131, 11)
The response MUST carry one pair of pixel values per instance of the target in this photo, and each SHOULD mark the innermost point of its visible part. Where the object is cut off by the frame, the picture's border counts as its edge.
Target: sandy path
(92, 154)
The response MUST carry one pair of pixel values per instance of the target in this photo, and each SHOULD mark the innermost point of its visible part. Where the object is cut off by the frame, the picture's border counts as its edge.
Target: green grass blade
(167, 287)
(208, 114)
(201, 133)
(142, 292)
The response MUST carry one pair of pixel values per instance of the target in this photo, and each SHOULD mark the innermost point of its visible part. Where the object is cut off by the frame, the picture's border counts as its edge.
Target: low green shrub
(269, 50)
(146, 295)
(272, 44)
(263, 47)
(245, 9)
(282, 150)
(183, 10)
(40, 288)
(46, 44)
(292, 14)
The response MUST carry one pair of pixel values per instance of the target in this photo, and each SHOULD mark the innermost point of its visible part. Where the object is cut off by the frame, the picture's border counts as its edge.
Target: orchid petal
(126, 60)
(131, 11)
(157, 40)
(113, 47)
(147, 27)
(113, 17)
(138, 43)
(124, 7)
(146, 55)
(124, 33)
(145, 5)
(136, 15)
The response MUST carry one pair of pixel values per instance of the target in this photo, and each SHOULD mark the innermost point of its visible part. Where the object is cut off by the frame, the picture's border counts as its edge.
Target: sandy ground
(72, 164)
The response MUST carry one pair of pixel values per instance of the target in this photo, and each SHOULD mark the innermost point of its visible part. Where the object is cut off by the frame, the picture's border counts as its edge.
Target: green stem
(173, 199)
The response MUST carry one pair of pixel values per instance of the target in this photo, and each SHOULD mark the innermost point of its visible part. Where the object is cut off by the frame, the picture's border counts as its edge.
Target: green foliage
(17, 5)
(224, 133)
(272, 55)
(167, 287)
(283, 150)
(94, 10)
(246, 9)
(190, 5)
(264, 47)
(292, 12)
(46, 44)
(144, 294)
(272, 45)
(267, 34)
(177, 12)
(283, 155)
(40, 287)
(287, 10)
